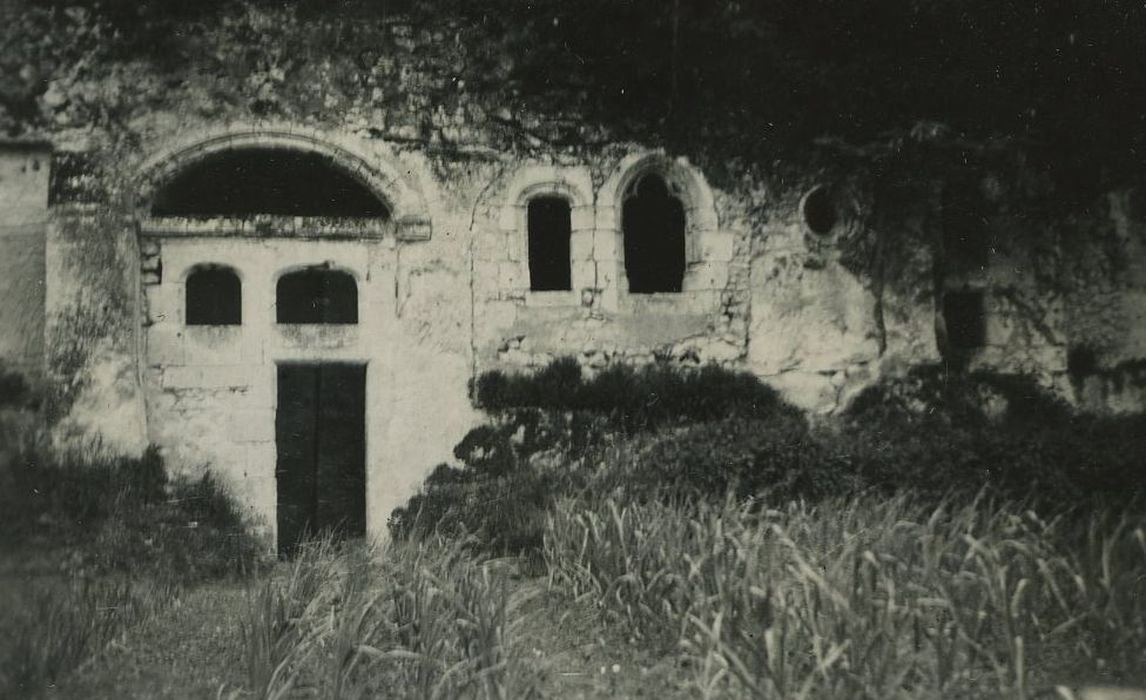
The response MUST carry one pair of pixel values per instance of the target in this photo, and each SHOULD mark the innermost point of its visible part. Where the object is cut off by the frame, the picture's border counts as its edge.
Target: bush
(513, 467)
(932, 432)
(549, 431)
(746, 456)
(121, 514)
(634, 400)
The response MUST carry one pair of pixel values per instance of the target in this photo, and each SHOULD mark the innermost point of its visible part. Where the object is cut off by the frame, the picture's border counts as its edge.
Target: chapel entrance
(320, 433)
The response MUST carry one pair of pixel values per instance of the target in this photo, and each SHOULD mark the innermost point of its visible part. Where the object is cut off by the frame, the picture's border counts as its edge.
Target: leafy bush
(932, 432)
(123, 514)
(16, 391)
(748, 456)
(634, 400)
(549, 431)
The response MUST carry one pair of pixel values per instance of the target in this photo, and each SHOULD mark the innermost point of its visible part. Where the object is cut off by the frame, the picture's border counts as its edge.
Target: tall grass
(866, 596)
(62, 625)
(418, 620)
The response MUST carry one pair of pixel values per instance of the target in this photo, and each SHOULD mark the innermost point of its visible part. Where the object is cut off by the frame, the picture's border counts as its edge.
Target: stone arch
(407, 205)
(571, 183)
(685, 183)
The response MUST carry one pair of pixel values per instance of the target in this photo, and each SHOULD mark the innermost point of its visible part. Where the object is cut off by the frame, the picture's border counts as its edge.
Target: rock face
(818, 300)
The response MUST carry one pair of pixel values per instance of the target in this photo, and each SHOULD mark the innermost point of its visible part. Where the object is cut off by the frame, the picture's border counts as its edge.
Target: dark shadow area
(966, 239)
(213, 297)
(820, 211)
(654, 224)
(964, 314)
(317, 295)
(251, 181)
(549, 231)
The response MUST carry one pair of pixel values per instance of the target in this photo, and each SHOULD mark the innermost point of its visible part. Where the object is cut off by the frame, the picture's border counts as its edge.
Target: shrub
(931, 432)
(634, 400)
(121, 514)
(747, 456)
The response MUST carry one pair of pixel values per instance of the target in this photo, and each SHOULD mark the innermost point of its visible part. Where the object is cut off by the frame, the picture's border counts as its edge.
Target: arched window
(250, 181)
(549, 225)
(654, 231)
(213, 297)
(317, 295)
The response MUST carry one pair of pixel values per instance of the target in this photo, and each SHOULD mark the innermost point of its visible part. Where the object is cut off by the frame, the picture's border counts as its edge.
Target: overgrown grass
(63, 623)
(428, 623)
(866, 596)
(96, 543)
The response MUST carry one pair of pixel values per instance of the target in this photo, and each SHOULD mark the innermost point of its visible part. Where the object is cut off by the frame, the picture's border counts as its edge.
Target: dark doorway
(320, 431)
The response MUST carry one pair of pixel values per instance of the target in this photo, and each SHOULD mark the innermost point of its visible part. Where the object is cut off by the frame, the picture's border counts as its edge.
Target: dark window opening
(820, 211)
(654, 229)
(964, 314)
(214, 297)
(966, 236)
(249, 181)
(549, 230)
(317, 295)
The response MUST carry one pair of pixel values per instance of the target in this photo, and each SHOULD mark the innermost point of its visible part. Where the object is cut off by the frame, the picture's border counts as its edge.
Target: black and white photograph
(500, 349)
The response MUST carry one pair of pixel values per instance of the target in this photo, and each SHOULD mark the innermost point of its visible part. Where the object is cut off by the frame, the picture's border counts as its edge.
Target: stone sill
(699, 301)
(560, 297)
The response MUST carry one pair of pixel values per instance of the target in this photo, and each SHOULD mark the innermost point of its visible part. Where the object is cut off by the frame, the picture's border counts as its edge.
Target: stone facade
(94, 293)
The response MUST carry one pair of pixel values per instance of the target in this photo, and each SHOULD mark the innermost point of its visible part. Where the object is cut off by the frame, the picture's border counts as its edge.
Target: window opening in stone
(549, 230)
(654, 230)
(213, 297)
(250, 181)
(820, 211)
(964, 314)
(966, 238)
(317, 295)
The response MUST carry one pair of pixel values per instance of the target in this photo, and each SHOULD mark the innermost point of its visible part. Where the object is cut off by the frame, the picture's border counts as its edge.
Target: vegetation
(949, 536)
(864, 595)
(431, 623)
(95, 545)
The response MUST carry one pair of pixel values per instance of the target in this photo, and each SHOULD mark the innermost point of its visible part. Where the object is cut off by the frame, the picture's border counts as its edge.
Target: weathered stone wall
(820, 312)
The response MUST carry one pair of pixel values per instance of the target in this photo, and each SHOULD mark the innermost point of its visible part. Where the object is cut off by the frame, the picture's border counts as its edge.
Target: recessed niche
(819, 210)
(965, 316)
(252, 181)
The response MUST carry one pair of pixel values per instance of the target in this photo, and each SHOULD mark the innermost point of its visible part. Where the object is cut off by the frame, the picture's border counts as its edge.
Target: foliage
(62, 625)
(959, 76)
(745, 456)
(550, 431)
(864, 595)
(123, 514)
(430, 624)
(634, 400)
(16, 391)
(932, 432)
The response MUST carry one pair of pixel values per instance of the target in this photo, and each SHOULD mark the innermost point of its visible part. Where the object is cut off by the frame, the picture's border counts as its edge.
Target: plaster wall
(211, 390)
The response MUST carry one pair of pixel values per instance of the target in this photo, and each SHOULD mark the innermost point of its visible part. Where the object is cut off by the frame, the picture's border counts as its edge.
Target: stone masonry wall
(820, 312)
